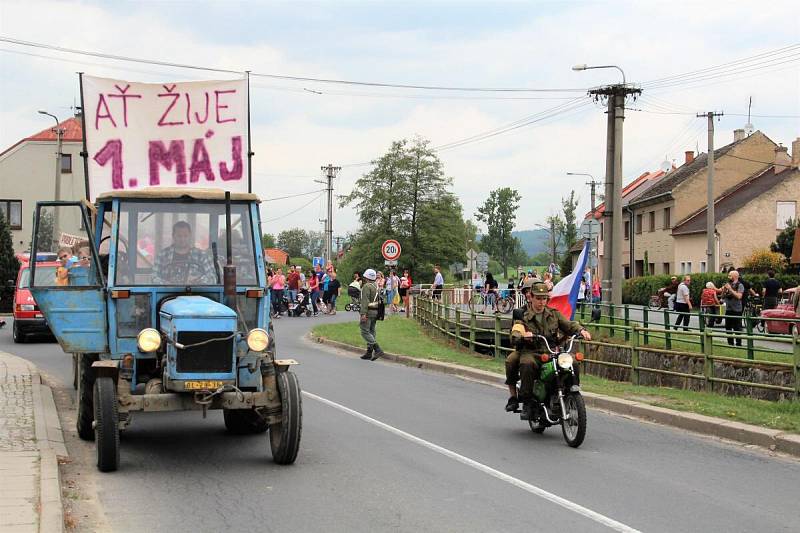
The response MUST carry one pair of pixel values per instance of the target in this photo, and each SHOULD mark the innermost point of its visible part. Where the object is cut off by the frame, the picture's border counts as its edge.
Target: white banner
(189, 134)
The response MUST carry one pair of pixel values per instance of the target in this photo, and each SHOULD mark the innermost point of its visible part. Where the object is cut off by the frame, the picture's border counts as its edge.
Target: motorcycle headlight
(148, 340)
(565, 360)
(258, 340)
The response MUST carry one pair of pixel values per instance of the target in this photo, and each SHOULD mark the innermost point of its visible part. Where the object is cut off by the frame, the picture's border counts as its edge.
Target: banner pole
(84, 153)
(249, 146)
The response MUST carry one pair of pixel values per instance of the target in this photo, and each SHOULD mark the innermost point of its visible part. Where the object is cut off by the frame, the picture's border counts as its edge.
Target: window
(665, 268)
(652, 221)
(688, 267)
(11, 210)
(667, 221)
(627, 229)
(683, 267)
(601, 231)
(638, 224)
(651, 268)
(785, 211)
(66, 163)
(702, 266)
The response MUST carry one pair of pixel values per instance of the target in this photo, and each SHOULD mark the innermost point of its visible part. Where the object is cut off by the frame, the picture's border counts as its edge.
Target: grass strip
(403, 336)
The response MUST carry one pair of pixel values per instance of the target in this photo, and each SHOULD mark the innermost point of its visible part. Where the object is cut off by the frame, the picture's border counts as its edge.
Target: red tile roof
(276, 256)
(72, 132)
(628, 191)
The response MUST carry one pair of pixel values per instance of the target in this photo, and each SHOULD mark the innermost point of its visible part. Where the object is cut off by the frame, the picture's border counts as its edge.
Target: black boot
(513, 404)
(378, 352)
(368, 354)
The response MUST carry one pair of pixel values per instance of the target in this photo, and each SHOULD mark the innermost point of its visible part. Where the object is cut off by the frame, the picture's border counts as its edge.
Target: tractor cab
(166, 309)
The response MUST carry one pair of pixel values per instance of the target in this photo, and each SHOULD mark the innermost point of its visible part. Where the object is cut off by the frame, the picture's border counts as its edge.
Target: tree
(499, 212)
(406, 196)
(9, 265)
(292, 241)
(555, 235)
(315, 243)
(763, 260)
(268, 240)
(785, 240)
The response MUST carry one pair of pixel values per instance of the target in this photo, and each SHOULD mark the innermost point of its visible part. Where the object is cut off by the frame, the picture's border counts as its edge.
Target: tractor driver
(182, 263)
(537, 319)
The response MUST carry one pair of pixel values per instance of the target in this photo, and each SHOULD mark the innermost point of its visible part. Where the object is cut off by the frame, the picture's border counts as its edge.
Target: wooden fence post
(708, 362)
(458, 325)
(472, 330)
(627, 317)
(497, 352)
(635, 356)
(667, 335)
(645, 324)
(749, 328)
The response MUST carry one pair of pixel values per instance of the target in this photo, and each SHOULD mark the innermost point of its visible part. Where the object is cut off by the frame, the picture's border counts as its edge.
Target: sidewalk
(30, 443)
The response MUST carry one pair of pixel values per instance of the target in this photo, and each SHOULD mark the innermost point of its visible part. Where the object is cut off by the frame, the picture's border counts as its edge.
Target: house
(27, 175)
(747, 216)
(276, 256)
(681, 193)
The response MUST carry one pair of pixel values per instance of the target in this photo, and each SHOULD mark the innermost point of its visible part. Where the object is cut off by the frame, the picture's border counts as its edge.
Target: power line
(281, 76)
(292, 196)
(290, 213)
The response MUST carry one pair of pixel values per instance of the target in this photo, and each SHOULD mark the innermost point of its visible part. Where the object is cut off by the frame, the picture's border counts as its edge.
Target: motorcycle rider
(537, 319)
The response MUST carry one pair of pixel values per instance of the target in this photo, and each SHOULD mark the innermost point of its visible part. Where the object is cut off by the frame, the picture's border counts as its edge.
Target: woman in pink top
(313, 287)
(596, 291)
(277, 284)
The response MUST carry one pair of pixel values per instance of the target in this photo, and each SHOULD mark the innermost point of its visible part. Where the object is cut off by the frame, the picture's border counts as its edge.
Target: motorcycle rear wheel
(574, 428)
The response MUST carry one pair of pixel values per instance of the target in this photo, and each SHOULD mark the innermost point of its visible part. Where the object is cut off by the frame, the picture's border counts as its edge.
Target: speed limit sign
(391, 250)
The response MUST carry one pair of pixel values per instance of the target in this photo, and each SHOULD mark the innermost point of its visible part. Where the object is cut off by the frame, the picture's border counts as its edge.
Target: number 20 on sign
(390, 250)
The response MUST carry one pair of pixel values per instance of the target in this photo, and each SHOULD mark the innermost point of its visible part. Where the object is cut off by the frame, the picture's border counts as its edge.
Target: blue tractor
(164, 307)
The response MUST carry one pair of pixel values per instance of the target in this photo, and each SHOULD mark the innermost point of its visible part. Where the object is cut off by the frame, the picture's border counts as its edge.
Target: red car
(27, 317)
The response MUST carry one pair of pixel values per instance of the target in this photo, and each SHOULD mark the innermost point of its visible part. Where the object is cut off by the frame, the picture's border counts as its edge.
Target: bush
(638, 290)
(760, 261)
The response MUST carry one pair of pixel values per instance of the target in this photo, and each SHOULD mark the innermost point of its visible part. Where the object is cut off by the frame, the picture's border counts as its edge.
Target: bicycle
(507, 303)
(753, 308)
(481, 300)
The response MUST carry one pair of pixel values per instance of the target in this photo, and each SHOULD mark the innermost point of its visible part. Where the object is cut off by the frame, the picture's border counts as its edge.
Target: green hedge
(638, 290)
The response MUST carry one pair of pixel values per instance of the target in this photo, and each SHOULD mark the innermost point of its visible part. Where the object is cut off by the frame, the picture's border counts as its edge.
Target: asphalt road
(391, 448)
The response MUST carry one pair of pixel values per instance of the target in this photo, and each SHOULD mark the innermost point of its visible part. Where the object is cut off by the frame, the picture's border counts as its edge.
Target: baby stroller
(355, 299)
(300, 304)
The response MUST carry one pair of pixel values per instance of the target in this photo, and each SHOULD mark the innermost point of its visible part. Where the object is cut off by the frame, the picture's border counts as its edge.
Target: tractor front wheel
(106, 428)
(284, 437)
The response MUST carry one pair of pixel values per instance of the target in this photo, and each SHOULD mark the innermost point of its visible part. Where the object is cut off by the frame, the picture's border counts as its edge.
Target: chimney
(782, 160)
(689, 156)
(738, 135)
(796, 153)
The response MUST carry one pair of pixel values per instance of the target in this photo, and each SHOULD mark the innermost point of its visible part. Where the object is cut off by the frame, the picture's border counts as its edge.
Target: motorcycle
(557, 395)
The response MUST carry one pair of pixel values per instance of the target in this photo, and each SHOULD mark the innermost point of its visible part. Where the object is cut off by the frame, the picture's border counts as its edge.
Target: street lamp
(584, 66)
(59, 136)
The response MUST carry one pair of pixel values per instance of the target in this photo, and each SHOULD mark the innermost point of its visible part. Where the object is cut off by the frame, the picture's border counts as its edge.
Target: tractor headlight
(258, 340)
(148, 340)
(565, 360)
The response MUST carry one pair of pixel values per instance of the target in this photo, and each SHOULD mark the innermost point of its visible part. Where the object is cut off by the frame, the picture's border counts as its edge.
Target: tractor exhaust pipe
(229, 270)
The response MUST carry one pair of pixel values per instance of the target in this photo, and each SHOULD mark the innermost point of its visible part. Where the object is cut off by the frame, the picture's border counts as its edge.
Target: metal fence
(465, 326)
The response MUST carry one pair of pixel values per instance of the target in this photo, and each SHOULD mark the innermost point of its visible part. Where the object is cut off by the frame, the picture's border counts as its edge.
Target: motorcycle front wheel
(574, 426)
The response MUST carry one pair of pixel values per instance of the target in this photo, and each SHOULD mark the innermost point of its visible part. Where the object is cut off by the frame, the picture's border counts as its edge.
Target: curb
(50, 441)
(772, 439)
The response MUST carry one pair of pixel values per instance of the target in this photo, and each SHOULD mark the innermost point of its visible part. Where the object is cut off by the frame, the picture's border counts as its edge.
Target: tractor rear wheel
(244, 421)
(106, 426)
(85, 379)
(284, 437)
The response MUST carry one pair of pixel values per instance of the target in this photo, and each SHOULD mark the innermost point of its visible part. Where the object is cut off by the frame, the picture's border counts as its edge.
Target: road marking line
(533, 489)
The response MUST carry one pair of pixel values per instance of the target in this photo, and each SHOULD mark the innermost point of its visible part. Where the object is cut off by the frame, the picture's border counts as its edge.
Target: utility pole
(711, 244)
(612, 226)
(59, 141)
(338, 240)
(553, 240)
(330, 173)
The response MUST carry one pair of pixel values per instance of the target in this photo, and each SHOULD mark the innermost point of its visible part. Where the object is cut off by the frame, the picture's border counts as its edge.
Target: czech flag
(564, 295)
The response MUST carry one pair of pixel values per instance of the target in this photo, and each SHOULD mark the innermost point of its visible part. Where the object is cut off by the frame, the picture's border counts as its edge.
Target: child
(62, 272)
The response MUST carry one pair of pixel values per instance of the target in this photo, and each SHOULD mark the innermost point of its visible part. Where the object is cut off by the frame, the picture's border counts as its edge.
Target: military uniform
(369, 293)
(552, 325)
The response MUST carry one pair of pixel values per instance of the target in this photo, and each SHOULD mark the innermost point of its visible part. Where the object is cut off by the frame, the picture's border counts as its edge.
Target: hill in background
(534, 241)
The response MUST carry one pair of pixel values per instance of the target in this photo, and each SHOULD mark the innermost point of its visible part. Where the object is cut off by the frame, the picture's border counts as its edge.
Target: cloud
(296, 131)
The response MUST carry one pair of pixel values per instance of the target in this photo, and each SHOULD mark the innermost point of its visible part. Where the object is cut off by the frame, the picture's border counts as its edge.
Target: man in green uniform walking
(538, 319)
(370, 303)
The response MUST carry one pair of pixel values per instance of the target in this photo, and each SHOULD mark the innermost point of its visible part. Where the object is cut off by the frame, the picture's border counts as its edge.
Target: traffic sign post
(390, 250)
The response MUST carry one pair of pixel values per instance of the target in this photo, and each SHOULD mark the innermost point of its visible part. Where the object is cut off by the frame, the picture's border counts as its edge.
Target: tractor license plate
(202, 385)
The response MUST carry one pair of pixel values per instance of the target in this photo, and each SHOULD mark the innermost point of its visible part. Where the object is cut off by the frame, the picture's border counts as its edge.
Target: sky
(297, 127)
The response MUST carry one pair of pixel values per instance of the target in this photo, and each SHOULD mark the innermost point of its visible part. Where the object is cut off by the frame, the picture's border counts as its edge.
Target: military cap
(539, 289)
